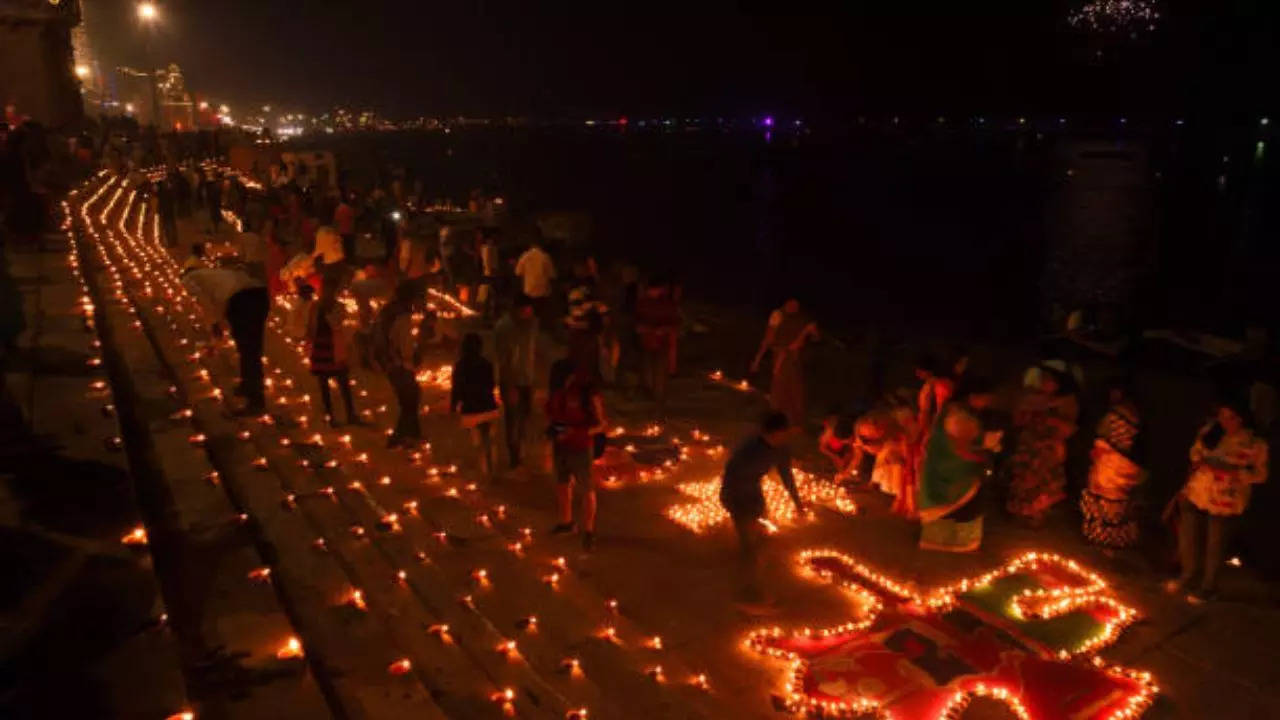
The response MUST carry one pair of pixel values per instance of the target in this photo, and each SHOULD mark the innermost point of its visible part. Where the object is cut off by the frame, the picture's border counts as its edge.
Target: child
(327, 345)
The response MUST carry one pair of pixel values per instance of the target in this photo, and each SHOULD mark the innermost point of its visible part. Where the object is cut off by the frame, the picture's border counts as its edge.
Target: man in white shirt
(242, 300)
(536, 271)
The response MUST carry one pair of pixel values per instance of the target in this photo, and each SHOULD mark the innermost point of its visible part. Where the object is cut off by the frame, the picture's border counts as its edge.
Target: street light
(82, 71)
(147, 15)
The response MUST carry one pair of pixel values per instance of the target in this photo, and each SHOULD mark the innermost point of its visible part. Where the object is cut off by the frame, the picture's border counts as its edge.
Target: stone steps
(464, 675)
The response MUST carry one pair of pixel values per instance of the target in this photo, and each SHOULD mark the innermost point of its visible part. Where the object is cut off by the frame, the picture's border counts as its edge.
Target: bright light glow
(128, 107)
(82, 72)
(204, 105)
(1122, 17)
(147, 11)
(1075, 589)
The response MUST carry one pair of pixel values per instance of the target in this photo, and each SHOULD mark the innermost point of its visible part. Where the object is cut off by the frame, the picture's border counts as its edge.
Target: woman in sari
(1046, 417)
(789, 331)
(956, 461)
(1107, 503)
(936, 388)
(893, 474)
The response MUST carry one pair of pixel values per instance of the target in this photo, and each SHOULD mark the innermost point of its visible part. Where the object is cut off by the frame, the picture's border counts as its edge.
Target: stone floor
(79, 611)
(1216, 661)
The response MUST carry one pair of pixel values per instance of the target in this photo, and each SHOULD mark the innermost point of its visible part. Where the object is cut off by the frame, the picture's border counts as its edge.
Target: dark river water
(964, 229)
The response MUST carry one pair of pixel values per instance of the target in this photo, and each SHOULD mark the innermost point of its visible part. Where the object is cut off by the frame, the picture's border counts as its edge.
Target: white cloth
(536, 271)
(213, 287)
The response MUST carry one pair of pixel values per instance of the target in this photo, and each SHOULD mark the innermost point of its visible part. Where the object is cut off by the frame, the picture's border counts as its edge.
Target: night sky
(547, 58)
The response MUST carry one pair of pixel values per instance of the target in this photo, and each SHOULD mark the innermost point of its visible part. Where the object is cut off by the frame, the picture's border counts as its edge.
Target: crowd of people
(296, 244)
(944, 456)
(943, 453)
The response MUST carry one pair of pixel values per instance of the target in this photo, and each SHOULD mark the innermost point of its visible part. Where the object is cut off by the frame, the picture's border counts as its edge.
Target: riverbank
(644, 559)
(428, 630)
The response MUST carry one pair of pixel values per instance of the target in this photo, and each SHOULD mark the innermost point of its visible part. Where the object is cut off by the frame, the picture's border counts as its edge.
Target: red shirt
(570, 410)
(344, 219)
(657, 320)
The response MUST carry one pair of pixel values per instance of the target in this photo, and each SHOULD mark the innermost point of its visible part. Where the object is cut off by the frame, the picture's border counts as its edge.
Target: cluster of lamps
(155, 275)
(1089, 594)
(155, 272)
(705, 512)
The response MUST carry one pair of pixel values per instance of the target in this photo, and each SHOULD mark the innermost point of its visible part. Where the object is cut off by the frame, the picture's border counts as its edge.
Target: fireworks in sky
(1121, 17)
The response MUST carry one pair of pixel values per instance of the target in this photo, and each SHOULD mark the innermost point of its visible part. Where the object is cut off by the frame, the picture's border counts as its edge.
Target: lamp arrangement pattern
(1023, 634)
(705, 512)
(101, 390)
(998, 650)
(143, 278)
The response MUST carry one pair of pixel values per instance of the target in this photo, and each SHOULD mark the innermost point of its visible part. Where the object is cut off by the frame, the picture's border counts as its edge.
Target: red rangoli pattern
(1025, 634)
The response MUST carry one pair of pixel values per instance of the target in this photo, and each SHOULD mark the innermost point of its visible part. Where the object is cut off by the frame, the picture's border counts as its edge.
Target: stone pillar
(1099, 224)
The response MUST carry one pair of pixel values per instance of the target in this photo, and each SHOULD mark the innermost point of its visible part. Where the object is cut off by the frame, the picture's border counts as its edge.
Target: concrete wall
(36, 65)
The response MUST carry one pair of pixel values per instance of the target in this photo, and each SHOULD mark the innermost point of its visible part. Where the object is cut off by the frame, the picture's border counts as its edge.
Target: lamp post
(147, 15)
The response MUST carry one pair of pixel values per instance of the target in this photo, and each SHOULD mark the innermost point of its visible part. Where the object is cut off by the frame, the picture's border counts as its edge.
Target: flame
(292, 649)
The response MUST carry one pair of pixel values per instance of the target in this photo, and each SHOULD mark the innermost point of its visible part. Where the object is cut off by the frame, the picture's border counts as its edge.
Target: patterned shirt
(1221, 478)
